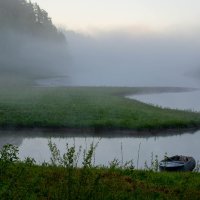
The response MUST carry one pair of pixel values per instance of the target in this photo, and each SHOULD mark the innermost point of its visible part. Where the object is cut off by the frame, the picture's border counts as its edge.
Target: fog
(32, 47)
(134, 58)
(105, 58)
(29, 56)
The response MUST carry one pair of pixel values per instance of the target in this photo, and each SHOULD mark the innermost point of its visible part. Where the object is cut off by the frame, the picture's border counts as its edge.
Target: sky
(88, 15)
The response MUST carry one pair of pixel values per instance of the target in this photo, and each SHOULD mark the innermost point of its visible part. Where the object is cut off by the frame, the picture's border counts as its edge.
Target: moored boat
(177, 163)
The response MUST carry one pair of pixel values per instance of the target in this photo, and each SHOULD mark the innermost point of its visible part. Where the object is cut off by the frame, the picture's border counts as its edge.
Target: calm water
(181, 100)
(35, 144)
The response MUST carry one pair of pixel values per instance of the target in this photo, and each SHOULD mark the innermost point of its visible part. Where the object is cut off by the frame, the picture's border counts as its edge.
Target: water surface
(189, 100)
(124, 148)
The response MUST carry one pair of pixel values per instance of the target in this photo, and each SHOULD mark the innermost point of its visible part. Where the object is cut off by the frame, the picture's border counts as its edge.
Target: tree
(27, 17)
(29, 41)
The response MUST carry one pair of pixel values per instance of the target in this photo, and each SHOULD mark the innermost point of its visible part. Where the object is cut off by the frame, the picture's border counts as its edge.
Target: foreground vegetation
(87, 107)
(62, 179)
(35, 182)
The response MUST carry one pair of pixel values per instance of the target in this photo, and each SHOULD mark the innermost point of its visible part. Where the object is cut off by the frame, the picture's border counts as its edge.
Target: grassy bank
(35, 182)
(62, 179)
(87, 107)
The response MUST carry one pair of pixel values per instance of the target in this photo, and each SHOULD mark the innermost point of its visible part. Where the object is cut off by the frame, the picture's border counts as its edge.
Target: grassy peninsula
(87, 107)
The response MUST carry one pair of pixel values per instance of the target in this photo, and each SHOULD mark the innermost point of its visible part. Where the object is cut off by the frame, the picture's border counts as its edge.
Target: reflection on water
(10, 138)
(180, 100)
(35, 144)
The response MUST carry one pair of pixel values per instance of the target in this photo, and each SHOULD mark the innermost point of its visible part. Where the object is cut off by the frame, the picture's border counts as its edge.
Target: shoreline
(92, 132)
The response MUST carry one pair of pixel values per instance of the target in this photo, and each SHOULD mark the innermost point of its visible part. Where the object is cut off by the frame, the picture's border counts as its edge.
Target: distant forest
(29, 42)
(27, 17)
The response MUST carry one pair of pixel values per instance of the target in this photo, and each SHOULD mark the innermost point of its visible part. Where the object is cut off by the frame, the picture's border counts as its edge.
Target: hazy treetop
(30, 44)
(27, 17)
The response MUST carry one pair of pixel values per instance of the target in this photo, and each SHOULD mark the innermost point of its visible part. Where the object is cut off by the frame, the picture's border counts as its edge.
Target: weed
(114, 164)
(154, 166)
(55, 154)
(62, 179)
(30, 161)
(9, 153)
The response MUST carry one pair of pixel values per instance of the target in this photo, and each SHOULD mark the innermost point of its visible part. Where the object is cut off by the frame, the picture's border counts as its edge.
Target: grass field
(62, 179)
(36, 182)
(87, 107)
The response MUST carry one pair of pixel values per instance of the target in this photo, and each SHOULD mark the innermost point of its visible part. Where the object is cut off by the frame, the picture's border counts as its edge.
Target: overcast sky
(159, 15)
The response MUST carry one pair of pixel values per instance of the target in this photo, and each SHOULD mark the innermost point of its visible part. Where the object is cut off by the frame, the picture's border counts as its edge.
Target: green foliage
(26, 17)
(9, 153)
(55, 154)
(37, 182)
(88, 155)
(114, 164)
(30, 161)
(30, 44)
(26, 180)
(70, 158)
(154, 164)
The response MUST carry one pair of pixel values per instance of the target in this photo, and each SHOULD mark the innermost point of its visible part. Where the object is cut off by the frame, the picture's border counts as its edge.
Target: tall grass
(63, 179)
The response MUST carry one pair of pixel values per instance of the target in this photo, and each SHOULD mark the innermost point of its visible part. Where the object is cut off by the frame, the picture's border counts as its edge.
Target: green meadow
(87, 107)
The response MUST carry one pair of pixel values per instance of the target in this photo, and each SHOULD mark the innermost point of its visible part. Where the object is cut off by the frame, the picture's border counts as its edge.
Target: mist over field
(134, 58)
(114, 58)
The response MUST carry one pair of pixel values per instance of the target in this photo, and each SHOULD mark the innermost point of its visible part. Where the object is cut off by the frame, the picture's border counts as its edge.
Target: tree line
(27, 17)
(29, 42)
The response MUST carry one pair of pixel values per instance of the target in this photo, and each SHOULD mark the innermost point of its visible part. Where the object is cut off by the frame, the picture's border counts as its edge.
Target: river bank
(64, 180)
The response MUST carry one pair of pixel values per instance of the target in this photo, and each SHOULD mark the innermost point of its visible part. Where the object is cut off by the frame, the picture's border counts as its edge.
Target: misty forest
(107, 113)
(28, 40)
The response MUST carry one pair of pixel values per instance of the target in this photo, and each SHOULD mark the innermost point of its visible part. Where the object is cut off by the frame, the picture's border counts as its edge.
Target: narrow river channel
(124, 148)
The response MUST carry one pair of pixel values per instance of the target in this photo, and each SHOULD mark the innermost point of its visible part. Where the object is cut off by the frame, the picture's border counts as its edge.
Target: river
(123, 146)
